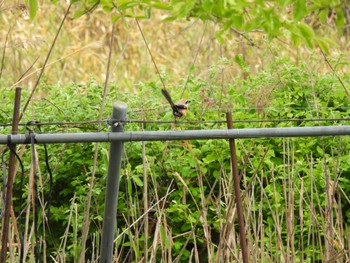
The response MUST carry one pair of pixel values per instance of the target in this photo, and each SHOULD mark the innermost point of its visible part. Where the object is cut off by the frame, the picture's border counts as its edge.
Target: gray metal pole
(112, 188)
(179, 135)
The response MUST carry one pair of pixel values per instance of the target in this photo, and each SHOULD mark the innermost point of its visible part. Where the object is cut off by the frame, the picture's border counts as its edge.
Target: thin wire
(130, 121)
(50, 183)
(63, 123)
(240, 121)
(223, 110)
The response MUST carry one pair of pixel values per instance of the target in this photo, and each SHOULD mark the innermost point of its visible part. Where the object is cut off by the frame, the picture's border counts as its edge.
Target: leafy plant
(189, 183)
(277, 19)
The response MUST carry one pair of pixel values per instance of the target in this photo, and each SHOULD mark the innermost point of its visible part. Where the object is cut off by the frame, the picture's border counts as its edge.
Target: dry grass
(81, 52)
(277, 246)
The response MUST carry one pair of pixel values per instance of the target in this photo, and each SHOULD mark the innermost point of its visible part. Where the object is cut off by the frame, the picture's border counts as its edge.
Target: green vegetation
(189, 183)
(277, 19)
(272, 64)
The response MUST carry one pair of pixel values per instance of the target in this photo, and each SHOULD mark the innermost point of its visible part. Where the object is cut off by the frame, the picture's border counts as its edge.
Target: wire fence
(131, 121)
(127, 136)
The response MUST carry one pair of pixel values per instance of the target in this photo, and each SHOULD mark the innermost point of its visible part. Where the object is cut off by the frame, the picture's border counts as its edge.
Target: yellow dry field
(81, 51)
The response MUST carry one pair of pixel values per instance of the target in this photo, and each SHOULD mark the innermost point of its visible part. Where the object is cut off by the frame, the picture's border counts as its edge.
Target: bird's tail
(168, 98)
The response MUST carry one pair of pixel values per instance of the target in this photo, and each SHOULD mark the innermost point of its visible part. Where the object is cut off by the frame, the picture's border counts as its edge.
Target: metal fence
(118, 136)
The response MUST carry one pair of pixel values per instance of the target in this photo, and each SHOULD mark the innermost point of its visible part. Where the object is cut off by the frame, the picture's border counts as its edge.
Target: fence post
(112, 186)
(237, 190)
(10, 180)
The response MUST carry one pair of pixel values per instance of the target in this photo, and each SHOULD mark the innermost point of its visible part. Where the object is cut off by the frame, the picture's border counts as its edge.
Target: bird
(179, 108)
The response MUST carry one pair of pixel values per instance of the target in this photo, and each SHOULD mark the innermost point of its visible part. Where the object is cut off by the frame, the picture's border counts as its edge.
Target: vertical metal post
(112, 188)
(237, 189)
(11, 176)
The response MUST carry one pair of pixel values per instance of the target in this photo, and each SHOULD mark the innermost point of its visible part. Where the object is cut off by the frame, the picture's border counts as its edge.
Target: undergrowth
(295, 194)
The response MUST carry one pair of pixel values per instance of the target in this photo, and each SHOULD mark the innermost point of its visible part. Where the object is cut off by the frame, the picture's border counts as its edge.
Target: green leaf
(240, 61)
(323, 15)
(309, 43)
(148, 12)
(323, 45)
(219, 37)
(340, 19)
(306, 31)
(128, 5)
(137, 180)
(115, 18)
(162, 6)
(33, 8)
(183, 8)
(210, 158)
(319, 150)
(330, 42)
(208, 6)
(299, 10)
(78, 13)
(106, 5)
(237, 21)
(169, 19)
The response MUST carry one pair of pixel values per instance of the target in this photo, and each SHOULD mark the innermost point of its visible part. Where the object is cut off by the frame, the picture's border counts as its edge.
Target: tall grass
(82, 50)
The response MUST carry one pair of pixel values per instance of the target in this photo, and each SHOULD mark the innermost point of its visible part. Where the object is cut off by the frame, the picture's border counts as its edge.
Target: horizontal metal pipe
(179, 135)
